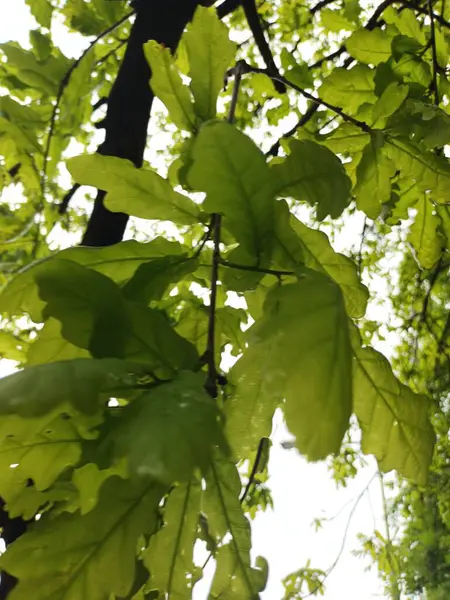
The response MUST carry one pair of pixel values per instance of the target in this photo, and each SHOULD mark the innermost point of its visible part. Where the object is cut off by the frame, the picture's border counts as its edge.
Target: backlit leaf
(394, 420)
(86, 303)
(300, 352)
(298, 244)
(349, 88)
(138, 192)
(370, 47)
(232, 171)
(70, 556)
(424, 236)
(210, 53)
(166, 84)
(314, 174)
(373, 174)
(234, 576)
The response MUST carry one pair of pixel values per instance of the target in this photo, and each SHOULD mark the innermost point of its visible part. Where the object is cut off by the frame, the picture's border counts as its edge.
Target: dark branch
(62, 208)
(434, 53)
(130, 101)
(320, 5)
(273, 150)
(227, 7)
(251, 14)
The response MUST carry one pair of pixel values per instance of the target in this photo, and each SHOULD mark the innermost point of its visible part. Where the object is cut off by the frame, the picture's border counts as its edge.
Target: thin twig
(233, 265)
(256, 462)
(319, 101)
(206, 237)
(320, 5)
(360, 253)
(311, 111)
(434, 53)
(424, 11)
(344, 539)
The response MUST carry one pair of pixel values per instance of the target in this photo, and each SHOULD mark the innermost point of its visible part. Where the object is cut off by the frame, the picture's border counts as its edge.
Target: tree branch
(130, 102)
(434, 53)
(251, 14)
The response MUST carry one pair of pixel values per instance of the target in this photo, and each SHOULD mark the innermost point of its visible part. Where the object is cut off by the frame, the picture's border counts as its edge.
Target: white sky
(301, 491)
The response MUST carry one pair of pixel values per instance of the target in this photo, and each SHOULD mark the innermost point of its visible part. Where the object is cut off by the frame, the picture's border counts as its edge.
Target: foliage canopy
(125, 428)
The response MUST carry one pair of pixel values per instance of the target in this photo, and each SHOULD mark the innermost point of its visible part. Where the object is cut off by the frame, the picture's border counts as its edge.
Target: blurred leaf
(170, 431)
(37, 390)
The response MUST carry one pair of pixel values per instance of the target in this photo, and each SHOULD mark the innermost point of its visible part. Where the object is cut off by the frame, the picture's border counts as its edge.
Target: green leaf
(153, 343)
(11, 347)
(402, 44)
(423, 235)
(335, 21)
(300, 352)
(313, 173)
(444, 216)
(138, 192)
(421, 122)
(42, 11)
(373, 175)
(120, 261)
(169, 557)
(70, 556)
(36, 390)
(406, 22)
(345, 139)
(86, 303)
(234, 576)
(394, 420)
(169, 432)
(349, 88)
(390, 101)
(166, 84)
(41, 43)
(370, 47)
(50, 346)
(152, 279)
(430, 172)
(89, 479)
(210, 53)
(40, 448)
(229, 167)
(298, 244)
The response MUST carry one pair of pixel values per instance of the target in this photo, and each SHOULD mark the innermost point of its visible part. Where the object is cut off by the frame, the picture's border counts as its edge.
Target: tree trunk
(130, 102)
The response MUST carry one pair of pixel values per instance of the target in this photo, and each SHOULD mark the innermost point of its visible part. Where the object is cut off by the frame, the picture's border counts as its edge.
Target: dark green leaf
(314, 174)
(169, 432)
(37, 390)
